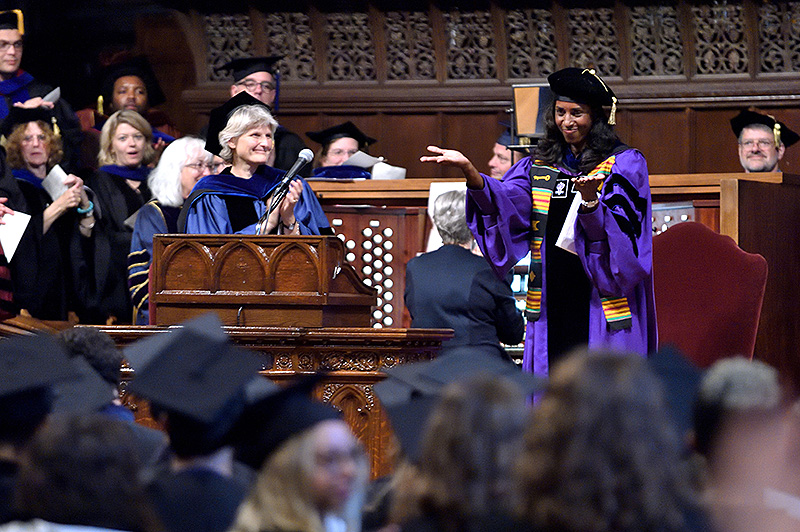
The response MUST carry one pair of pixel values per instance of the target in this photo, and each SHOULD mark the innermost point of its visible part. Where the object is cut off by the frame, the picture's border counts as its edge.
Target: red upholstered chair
(708, 293)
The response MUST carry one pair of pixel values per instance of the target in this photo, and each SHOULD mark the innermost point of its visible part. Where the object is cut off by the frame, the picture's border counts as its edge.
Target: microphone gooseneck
(304, 157)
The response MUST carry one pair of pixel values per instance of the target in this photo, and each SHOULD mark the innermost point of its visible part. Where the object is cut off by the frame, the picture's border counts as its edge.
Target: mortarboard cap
(20, 115)
(137, 66)
(12, 19)
(269, 422)
(32, 361)
(780, 131)
(583, 85)
(348, 129)
(242, 67)
(85, 393)
(218, 118)
(507, 138)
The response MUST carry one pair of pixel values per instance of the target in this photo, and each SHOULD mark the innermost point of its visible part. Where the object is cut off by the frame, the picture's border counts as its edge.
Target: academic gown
(288, 146)
(41, 266)
(104, 287)
(153, 219)
(225, 204)
(341, 172)
(614, 250)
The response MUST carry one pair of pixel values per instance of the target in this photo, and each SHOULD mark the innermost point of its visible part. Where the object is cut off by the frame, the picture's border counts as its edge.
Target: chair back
(708, 293)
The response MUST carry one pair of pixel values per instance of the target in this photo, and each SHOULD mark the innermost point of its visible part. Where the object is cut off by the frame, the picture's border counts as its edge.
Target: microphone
(304, 157)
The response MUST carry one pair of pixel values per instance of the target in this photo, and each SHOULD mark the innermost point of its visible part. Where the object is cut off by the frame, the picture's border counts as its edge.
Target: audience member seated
(470, 442)
(456, 289)
(762, 141)
(120, 186)
(195, 381)
(339, 143)
(241, 133)
(180, 167)
(259, 77)
(82, 470)
(26, 398)
(601, 454)
(311, 468)
(503, 158)
(42, 265)
(19, 88)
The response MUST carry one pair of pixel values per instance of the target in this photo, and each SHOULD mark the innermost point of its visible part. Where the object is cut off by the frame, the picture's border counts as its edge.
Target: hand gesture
(4, 209)
(34, 103)
(288, 203)
(588, 186)
(455, 158)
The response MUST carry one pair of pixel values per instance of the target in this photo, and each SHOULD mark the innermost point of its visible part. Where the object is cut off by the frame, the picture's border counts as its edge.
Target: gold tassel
(612, 116)
(776, 131)
(56, 129)
(20, 21)
(100, 104)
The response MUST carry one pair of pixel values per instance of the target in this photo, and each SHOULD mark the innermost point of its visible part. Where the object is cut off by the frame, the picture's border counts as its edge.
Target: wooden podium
(257, 281)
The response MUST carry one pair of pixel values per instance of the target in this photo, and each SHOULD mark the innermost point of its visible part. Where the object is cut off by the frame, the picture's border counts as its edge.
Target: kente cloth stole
(543, 180)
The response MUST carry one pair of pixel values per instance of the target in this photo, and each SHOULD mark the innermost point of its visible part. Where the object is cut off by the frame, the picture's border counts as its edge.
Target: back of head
(450, 219)
(87, 466)
(600, 446)
(733, 388)
(470, 444)
(97, 347)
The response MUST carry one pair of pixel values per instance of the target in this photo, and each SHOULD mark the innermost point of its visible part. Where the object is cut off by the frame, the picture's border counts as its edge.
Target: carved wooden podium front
(297, 303)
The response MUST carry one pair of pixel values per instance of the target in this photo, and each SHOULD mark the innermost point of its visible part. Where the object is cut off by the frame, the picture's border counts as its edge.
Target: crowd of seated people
(598, 448)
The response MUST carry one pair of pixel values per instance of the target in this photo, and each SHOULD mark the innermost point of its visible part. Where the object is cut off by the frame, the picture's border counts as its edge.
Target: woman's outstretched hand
(455, 158)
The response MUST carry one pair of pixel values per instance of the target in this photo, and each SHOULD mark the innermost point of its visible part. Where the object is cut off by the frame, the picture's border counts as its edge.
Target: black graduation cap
(218, 118)
(242, 67)
(12, 19)
(348, 129)
(747, 118)
(137, 66)
(21, 115)
(270, 421)
(583, 85)
(85, 393)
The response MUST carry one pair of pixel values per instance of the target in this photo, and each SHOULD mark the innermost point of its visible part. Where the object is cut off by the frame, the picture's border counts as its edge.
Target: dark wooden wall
(434, 74)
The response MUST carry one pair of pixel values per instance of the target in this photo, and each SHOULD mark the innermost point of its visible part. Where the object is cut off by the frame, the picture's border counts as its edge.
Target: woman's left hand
(288, 203)
(588, 186)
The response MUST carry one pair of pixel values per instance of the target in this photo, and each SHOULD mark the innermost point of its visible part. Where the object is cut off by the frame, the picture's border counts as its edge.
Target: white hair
(242, 120)
(165, 180)
(449, 216)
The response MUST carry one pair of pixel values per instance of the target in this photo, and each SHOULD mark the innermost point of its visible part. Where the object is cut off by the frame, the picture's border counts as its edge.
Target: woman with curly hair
(581, 206)
(41, 266)
(601, 453)
(461, 481)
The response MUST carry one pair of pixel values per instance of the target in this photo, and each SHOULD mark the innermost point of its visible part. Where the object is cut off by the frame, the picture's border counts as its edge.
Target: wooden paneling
(662, 136)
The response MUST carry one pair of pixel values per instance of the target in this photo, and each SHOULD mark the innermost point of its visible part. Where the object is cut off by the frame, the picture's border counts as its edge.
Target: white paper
(11, 232)
(53, 95)
(566, 239)
(362, 160)
(53, 182)
(387, 171)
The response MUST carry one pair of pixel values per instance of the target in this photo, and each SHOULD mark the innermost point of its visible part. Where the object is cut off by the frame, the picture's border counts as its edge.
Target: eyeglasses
(27, 139)
(5, 45)
(762, 143)
(251, 85)
(340, 152)
(199, 167)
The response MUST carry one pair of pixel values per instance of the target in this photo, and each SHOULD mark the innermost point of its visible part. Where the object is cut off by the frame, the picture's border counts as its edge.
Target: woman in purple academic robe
(581, 205)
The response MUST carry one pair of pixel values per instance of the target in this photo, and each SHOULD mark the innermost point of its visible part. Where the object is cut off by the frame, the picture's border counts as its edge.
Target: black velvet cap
(21, 115)
(85, 393)
(267, 423)
(244, 66)
(137, 66)
(218, 118)
(507, 137)
(348, 129)
(581, 85)
(30, 362)
(12, 19)
(747, 118)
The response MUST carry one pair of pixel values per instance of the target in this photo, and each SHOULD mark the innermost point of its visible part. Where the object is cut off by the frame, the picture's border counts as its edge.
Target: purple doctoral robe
(613, 243)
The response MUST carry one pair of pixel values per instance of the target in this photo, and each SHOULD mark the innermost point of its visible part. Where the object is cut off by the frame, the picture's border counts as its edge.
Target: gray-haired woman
(241, 133)
(454, 288)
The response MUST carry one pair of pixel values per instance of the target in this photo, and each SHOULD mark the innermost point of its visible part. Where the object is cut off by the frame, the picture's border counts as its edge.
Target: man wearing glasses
(762, 141)
(18, 88)
(258, 76)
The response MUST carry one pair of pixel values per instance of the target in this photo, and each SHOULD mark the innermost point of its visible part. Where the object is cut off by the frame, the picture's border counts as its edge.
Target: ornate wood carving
(593, 40)
(227, 37)
(531, 42)
(350, 52)
(720, 40)
(656, 41)
(409, 46)
(289, 35)
(470, 45)
(779, 37)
